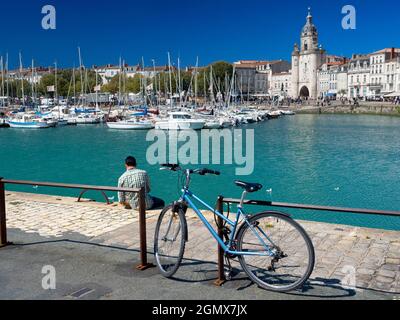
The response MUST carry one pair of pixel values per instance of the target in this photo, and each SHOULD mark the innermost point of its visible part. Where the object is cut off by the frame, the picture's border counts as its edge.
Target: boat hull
(87, 121)
(130, 126)
(172, 125)
(28, 125)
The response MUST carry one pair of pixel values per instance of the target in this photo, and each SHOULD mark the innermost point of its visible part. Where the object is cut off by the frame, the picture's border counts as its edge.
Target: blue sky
(213, 30)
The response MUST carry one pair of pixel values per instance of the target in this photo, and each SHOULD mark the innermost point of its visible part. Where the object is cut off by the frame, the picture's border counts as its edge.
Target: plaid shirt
(134, 178)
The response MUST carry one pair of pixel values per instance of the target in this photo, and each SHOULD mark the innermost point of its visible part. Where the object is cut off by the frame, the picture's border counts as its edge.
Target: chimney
(392, 54)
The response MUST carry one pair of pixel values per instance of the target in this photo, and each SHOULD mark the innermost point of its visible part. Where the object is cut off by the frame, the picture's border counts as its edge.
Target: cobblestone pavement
(343, 254)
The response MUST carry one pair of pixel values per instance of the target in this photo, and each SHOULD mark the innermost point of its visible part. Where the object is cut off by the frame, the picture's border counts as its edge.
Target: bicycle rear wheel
(293, 253)
(169, 241)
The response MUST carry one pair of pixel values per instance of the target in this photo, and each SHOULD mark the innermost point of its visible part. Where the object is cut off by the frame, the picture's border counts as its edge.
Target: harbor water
(333, 160)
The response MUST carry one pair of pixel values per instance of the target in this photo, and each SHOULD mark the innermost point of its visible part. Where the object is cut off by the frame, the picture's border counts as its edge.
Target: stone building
(384, 71)
(358, 75)
(332, 78)
(306, 61)
(255, 77)
(280, 84)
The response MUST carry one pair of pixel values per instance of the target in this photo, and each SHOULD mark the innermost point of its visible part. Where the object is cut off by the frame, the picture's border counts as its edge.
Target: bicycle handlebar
(205, 171)
(172, 167)
(201, 172)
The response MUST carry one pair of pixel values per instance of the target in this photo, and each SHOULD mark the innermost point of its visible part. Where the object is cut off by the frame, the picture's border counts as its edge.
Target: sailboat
(135, 121)
(84, 115)
(26, 120)
(60, 121)
(131, 124)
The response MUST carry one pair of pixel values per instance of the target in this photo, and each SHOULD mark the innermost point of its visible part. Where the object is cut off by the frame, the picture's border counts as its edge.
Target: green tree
(65, 82)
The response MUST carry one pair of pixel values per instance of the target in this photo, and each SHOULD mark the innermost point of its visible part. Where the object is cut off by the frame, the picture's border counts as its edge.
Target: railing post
(142, 231)
(221, 275)
(3, 224)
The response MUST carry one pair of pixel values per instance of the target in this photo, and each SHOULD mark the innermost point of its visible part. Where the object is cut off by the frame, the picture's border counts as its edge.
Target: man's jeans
(157, 203)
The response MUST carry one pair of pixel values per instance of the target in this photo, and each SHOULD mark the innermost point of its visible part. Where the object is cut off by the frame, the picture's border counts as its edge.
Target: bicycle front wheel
(292, 253)
(169, 241)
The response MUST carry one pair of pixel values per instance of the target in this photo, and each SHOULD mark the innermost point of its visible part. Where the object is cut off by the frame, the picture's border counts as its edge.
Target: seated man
(135, 178)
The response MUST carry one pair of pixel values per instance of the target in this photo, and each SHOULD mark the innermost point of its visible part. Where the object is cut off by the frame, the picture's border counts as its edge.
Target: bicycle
(273, 250)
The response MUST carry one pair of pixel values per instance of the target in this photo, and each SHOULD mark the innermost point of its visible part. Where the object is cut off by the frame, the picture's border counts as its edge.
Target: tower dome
(309, 29)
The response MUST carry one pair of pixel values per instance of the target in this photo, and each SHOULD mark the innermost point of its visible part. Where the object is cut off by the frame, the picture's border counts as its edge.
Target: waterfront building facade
(281, 84)
(315, 74)
(258, 77)
(384, 71)
(109, 71)
(359, 76)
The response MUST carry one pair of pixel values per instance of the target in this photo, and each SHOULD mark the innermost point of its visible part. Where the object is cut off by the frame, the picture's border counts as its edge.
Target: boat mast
(22, 79)
(2, 82)
(170, 79)
(74, 83)
(97, 92)
(144, 84)
(124, 83)
(248, 90)
(7, 81)
(241, 89)
(155, 79)
(212, 86)
(205, 87)
(55, 82)
(81, 71)
(231, 87)
(33, 83)
(195, 82)
(179, 82)
(119, 81)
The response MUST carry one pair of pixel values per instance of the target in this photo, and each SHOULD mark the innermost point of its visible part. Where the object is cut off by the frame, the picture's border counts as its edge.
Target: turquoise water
(333, 160)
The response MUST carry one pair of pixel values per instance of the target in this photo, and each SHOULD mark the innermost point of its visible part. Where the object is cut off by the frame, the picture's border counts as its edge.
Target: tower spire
(309, 16)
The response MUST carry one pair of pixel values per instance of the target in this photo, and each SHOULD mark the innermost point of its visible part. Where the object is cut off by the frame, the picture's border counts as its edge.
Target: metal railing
(142, 209)
(220, 207)
(142, 214)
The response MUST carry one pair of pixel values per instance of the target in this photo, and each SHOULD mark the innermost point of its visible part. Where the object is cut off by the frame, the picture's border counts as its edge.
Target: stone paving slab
(371, 255)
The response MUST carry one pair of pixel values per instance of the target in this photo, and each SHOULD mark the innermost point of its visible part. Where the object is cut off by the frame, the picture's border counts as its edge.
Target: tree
(65, 82)
(131, 84)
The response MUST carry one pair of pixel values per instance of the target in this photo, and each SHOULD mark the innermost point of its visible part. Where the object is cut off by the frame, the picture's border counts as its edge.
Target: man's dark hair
(130, 161)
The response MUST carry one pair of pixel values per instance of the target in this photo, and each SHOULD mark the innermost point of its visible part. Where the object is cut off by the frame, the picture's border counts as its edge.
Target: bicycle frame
(188, 196)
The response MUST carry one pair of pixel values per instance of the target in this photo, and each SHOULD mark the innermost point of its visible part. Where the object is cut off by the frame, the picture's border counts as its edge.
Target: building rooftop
(387, 50)
(244, 64)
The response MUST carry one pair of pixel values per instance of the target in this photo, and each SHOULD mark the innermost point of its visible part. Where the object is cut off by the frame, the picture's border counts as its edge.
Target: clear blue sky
(211, 29)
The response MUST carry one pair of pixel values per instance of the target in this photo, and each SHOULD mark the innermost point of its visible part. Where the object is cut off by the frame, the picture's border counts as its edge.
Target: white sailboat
(28, 121)
(131, 124)
(180, 121)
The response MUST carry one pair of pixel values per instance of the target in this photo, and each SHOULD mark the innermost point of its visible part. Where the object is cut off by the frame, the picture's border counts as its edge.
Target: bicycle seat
(249, 187)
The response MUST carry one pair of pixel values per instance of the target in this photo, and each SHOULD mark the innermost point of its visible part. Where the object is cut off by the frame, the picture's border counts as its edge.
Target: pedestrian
(135, 178)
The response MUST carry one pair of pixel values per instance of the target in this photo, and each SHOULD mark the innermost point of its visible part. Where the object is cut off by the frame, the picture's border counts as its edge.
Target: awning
(393, 94)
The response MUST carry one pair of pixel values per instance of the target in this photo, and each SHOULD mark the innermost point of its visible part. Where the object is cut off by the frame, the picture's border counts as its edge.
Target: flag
(51, 89)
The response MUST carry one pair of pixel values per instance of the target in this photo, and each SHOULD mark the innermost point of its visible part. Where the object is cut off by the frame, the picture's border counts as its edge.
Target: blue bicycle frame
(188, 196)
